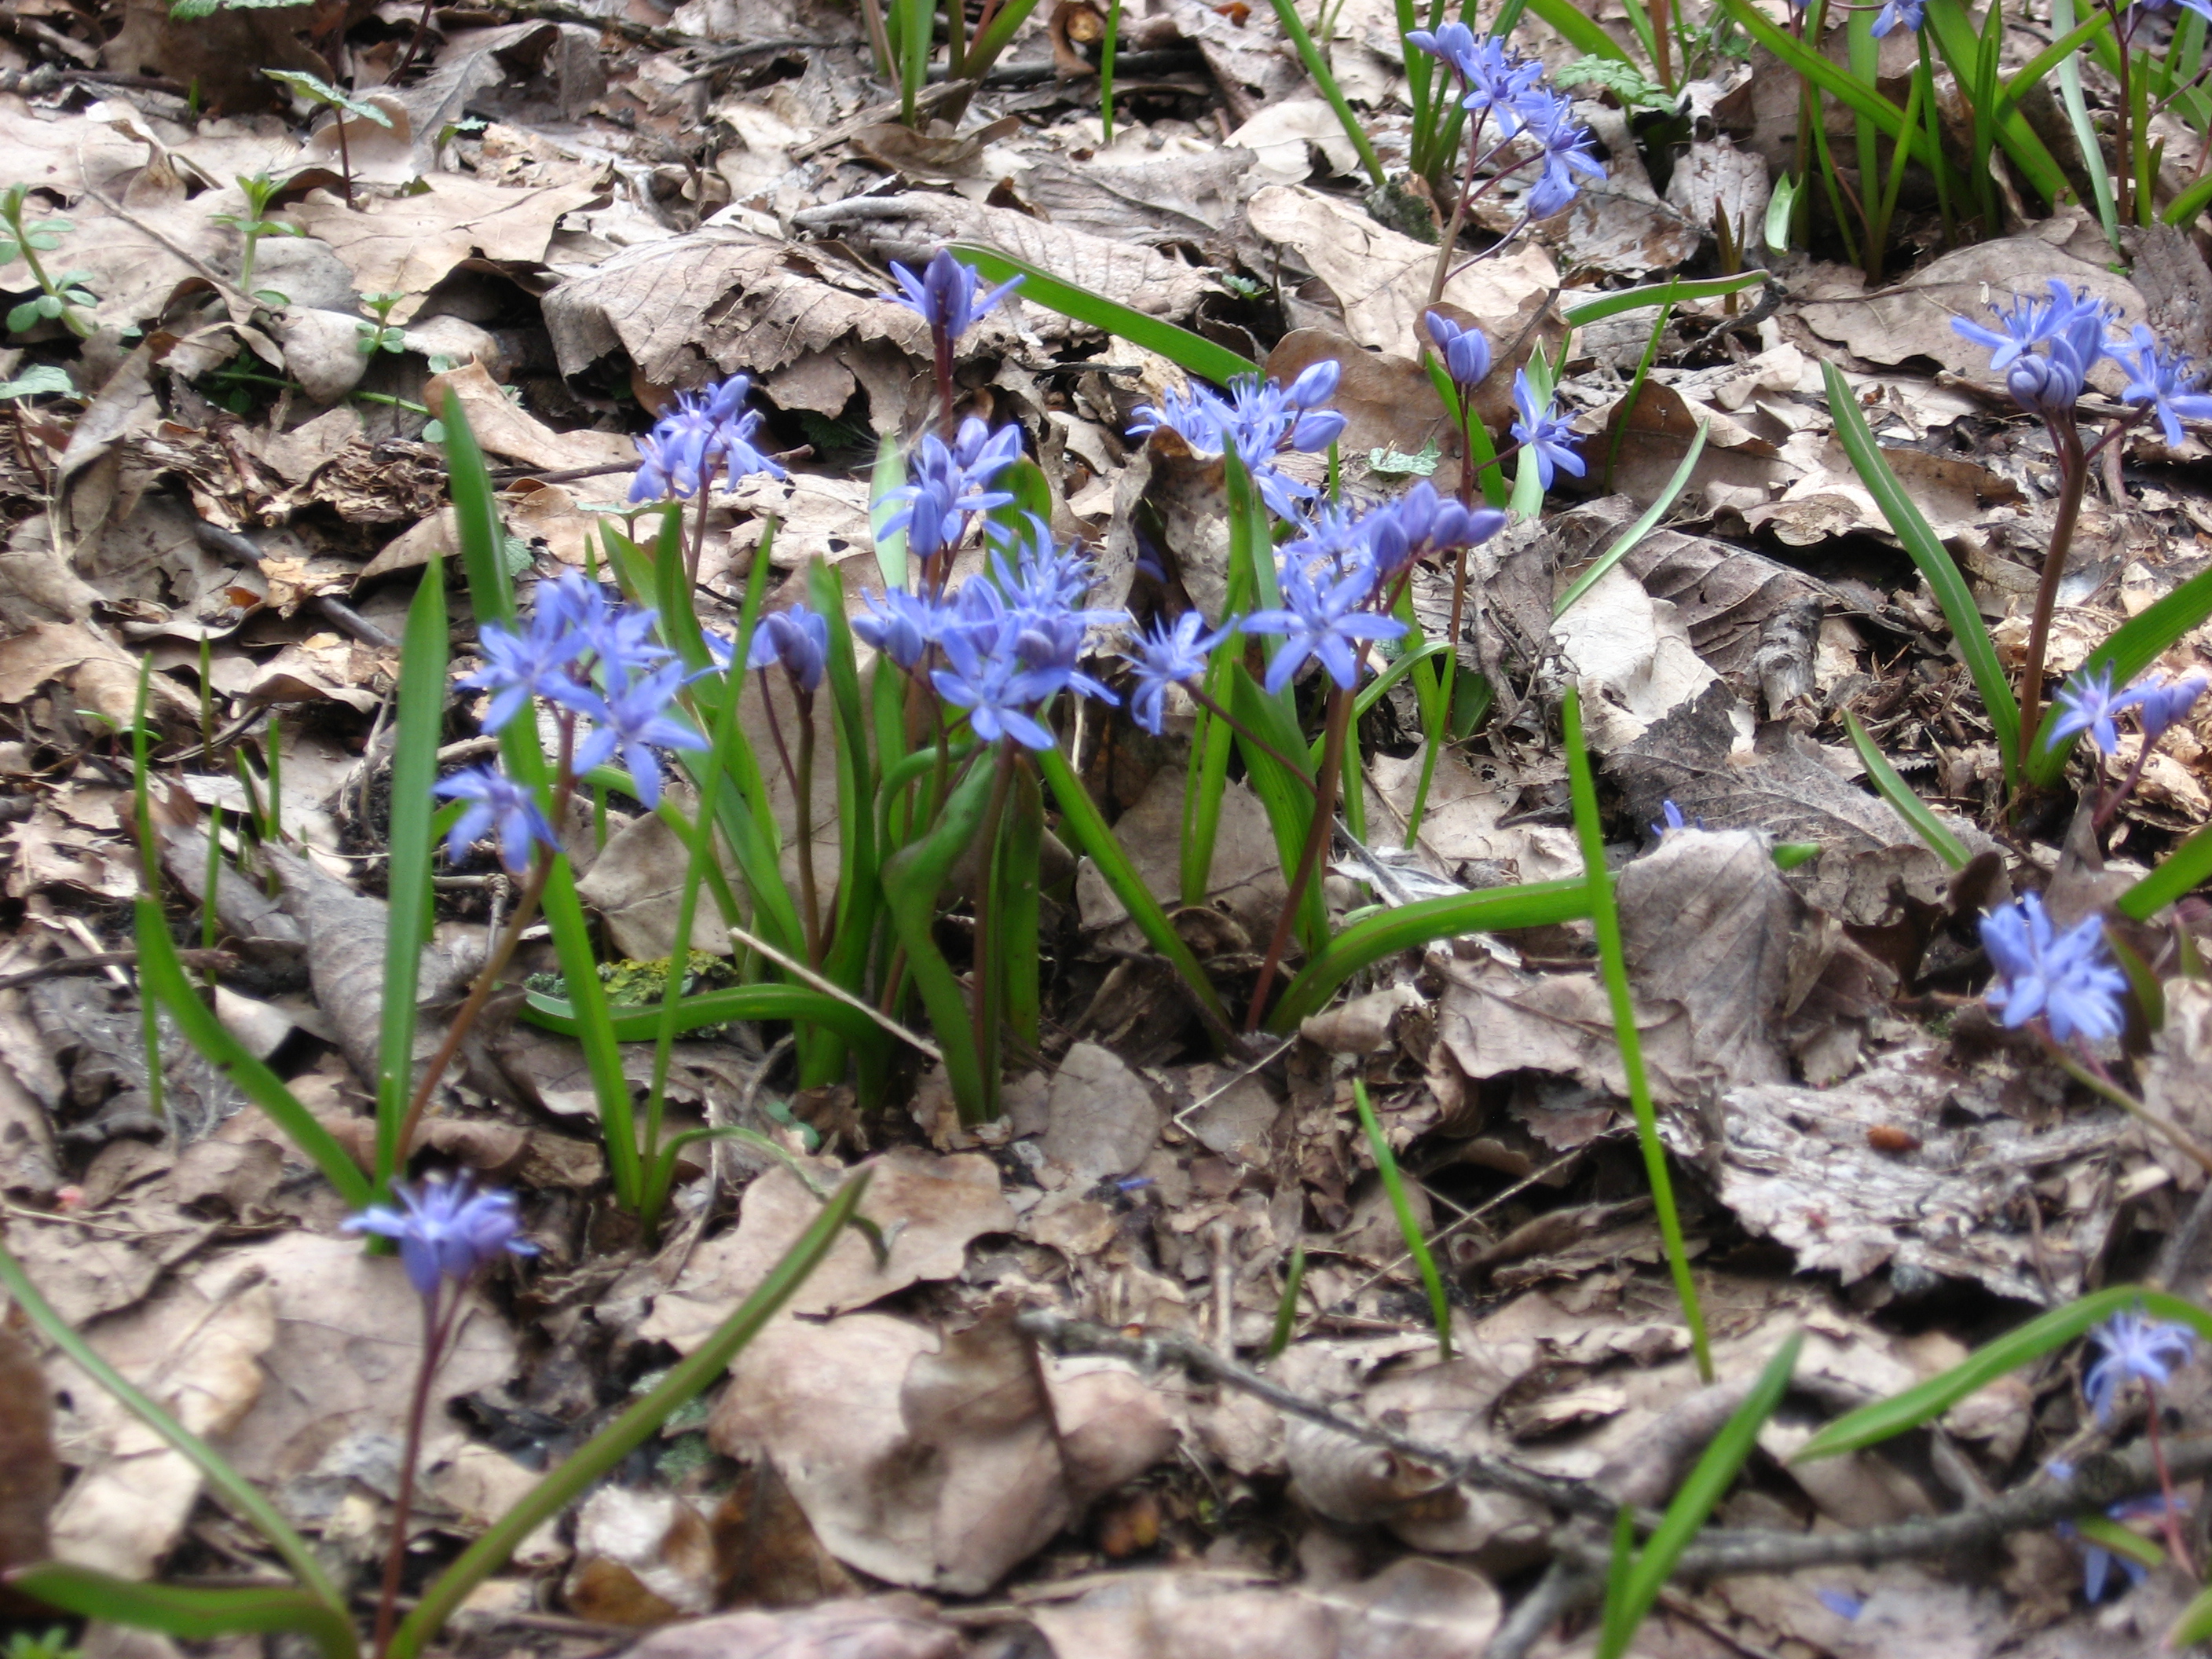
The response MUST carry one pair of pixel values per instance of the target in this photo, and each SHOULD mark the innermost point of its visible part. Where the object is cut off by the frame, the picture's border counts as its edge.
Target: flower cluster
(1259, 419)
(943, 295)
(2089, 703)
(708, 431)
(798, 639)
(2045, 349)
(1501, 86)
(1336, 580)
(445, 1231)
(2135, 1348)
(2068, 978)
(1006, 642)
(2096, 1559)
(948, 483)
(1912, 13)
(588, 659)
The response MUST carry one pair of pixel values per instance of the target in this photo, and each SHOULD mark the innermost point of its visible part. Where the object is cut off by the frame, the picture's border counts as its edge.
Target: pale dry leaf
(635, 888)
(408, 244)
(892, 1626)
(1104, 1117)
(928, 1209)
(1381, 278)
(503, 427)
(1632, 655)
(1414, 1609)
(1493, 1019)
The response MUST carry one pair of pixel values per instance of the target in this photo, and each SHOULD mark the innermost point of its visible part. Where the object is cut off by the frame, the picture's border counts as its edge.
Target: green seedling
(63, 299)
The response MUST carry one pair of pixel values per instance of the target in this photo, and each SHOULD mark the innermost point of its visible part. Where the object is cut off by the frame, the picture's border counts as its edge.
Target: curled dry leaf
(895, 1626)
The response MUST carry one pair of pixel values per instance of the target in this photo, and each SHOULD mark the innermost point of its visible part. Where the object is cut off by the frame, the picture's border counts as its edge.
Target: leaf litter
(571, 219)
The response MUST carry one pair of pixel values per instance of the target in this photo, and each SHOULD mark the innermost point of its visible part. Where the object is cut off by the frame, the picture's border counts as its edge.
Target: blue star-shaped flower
(633, 721)
(2086, 702)
(445, 1231)
(1549, 435)
(1170, 654)
(497, 804)
(1321, 619)
(2135, 1346)
(2066, 977)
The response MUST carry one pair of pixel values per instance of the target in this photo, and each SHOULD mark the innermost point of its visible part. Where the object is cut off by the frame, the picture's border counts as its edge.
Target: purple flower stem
(1317, 837)
(2109, 805)
(1450, 239)
(2091, 1073)
(801, 778)
(437, 1326)
(2170, 1520)
(1296, 769)
(526, 912)
(984, 1006)
(698, 547)
(2073, 480)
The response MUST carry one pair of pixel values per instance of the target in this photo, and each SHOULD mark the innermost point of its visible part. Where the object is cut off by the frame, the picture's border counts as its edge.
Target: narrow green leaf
(1707, 1483)
(1286, 1311)
(1886, 1418)
(605, 1450)
(2182, 871)
(1087, 827)
(1838, 84)
(1409, 1227)
(421, 720)
(1186, 351)
(984, 51)
(1491, 911)
(1294, 28)
(241, 1494)
(1900, 793)
(891, 544)
(1612, 968)
(913, 877)
(1968, 631)
(2089, 143)
(2133, 647)
(1646, 522)
(1947, 21)
(2195, 1624)
(185, 1611)
(161, 977)
(1579, 30)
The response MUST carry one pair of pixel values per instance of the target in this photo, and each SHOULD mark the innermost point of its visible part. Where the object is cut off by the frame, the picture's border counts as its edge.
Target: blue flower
(1550, 436)
(1495, 76)
(633, 721)
(1911, 13)
(1842, 1603)
(1422, 525)
(1466, 351)
(797, 638)
(1260, 419)
(2161, 703)
(706, 431)
(899, 625)
(518, 666)
(499, 804)
(1169, 655)
(2064, 976)
(2135, 1346)
(445, 1231)
(1566, 152)
(2087, 703)
(2156, 378)
(943, 295)
(1673, 819)
(1320, 620)
(947, 483)
(2044, 349)
(995, 689)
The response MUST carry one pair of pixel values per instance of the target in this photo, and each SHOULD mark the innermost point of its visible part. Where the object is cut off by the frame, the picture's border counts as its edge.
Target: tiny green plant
(64, 298)
(383, 334)
(259, 189)
(346, 107)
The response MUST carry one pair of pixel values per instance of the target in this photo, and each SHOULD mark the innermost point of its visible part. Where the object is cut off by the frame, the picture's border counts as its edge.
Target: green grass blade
(605, 1450)
(2133, 647)
(984, 51)
(1646, 522)
(2183, 871)
(1186, 351)
(777, 1001)
(1707, 1483)
(1491, 911)
(1393, 1183)
(2195, 1624)
(1613, 965)
(1898, 793)
(1811, 66)
(1106, 48)
(161, 978)
(1659, 294)
(891, 544)
(1087, 827)
(913, 877)
(422, 722)
(1209, 780)
(1286, 1311)
(1309, 54)
(1968, 631)
(1953, 30)
(1885, 1418)
(185, 1611)
(1580, 30)
(241, 1494)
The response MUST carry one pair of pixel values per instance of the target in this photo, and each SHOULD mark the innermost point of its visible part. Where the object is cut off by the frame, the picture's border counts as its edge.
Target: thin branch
(1558, 1593)
(831, 988)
